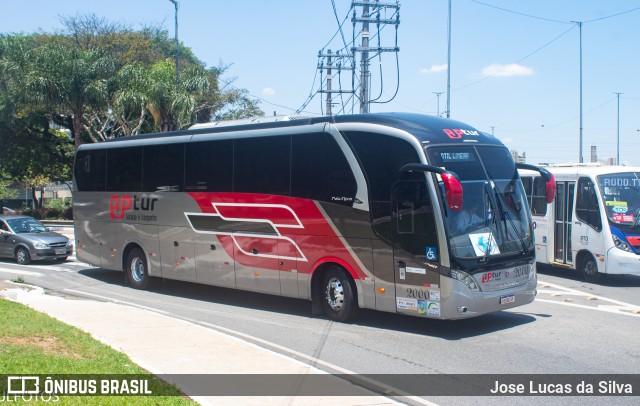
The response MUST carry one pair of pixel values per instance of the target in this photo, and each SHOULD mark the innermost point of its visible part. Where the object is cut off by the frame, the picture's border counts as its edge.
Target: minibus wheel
(136, 269)
(589, 269)
(338, 295)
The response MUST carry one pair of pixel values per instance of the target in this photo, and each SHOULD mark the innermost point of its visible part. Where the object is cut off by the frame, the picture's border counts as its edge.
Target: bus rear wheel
(589, 269)
(136, 269)
(338, 295)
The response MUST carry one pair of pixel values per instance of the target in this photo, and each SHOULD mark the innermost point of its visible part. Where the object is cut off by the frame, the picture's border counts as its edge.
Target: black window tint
(587, 208)
(209, 166)
(163, 168)
(527, 183)
(539, 197)
(415, 226)
(124, 169)
(320, 171)
(90, 171)
(381, 157)
(262, 165)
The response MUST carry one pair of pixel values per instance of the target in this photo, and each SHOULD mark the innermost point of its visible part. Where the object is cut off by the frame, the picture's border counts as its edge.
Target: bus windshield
(495, 218)
(621, 196)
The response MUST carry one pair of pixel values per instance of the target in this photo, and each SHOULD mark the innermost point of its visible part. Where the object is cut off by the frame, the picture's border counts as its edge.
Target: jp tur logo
(120, 205)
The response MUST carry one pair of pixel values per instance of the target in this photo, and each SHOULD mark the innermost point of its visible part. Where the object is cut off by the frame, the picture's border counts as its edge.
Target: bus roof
(426, 129)
(570, 170)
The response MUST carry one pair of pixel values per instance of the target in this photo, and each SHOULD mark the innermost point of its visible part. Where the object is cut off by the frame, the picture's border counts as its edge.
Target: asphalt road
(573, 327)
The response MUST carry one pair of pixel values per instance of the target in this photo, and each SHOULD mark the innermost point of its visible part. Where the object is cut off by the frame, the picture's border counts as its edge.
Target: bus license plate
(60, 251)
(507, 299)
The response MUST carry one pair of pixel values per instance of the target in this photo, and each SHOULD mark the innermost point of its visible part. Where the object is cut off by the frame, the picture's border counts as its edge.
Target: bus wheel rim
(589, 268)
(335, 294)
(137, 269)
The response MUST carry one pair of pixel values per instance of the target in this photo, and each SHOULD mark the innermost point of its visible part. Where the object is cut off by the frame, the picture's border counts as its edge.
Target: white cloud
(512, 69)
(434, 69)
(268, 91)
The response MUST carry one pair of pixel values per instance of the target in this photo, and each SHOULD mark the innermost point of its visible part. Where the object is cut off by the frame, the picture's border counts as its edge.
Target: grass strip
(32, 343)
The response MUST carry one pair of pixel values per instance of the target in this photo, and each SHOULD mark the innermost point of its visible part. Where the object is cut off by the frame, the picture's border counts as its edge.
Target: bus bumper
(464, 303)
(620, 261)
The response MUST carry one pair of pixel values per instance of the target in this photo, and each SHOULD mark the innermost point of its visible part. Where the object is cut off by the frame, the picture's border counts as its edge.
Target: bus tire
(338, 295)
(136, 270)
(589, 269)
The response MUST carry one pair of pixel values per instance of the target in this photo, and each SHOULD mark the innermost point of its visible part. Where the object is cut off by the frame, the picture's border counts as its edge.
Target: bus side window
(587, 208)
(539, 197)
(320, 171)
(527, 184)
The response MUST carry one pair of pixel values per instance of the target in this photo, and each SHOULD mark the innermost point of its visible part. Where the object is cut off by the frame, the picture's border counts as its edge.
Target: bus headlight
(623, 245)
(466, 279)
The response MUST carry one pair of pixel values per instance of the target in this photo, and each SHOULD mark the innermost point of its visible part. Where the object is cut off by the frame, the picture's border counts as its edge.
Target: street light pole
(449, 63)
(175, 3)
(618, 138)
(580, 27)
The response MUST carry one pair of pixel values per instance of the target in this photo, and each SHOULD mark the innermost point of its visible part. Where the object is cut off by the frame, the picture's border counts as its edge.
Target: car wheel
(22, 256)
(136, 269)
(338, 295)
(589, 270)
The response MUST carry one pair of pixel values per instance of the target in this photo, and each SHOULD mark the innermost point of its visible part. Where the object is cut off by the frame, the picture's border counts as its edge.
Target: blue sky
(509, 70)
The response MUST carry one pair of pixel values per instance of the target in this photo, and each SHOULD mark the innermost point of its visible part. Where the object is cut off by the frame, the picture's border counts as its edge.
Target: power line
(613, 15)
(521, 14)
(518, 61)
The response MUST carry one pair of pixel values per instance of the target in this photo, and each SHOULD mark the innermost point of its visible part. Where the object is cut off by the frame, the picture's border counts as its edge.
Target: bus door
(415, 249)
(565, 192)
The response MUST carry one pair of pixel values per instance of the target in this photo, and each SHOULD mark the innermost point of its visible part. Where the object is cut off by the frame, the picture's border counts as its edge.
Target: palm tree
(69, 80)
(171, 107)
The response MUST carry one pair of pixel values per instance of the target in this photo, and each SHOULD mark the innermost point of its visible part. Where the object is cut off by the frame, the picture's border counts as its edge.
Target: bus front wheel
(338, 295)
(136, 269)
(589, 269)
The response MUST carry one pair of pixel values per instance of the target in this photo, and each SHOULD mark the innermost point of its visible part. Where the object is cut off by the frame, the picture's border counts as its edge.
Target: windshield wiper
(507, 215)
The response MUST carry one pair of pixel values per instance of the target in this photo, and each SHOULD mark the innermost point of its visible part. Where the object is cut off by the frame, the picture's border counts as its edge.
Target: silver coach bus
(397, 212)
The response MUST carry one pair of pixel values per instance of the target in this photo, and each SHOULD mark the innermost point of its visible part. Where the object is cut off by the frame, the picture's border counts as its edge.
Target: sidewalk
(166, 345)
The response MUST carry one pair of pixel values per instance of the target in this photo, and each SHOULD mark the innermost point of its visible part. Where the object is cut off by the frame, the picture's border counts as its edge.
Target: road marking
(252, 340)
(110, 299)
(609, 306)
(25, 273)
(314, 361)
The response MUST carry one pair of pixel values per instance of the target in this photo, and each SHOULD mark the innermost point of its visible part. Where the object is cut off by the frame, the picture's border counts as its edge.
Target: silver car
(26, 239)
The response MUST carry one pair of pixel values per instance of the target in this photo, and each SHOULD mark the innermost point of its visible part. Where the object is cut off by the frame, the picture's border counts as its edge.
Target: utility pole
(449, 64)
(368, 9)
(438, 98)
(175, 3)
(330, 62)
(329, 83)
(580, 27)
(618, 150)
(364, 60)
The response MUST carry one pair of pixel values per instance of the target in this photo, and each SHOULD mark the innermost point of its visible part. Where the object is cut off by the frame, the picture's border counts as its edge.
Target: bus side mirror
(550, 188)
(453, 191)
(452, 186)
(550, 180)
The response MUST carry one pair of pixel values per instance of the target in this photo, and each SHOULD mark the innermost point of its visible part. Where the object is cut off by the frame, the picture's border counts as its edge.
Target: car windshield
(621, 196)
(495, 218)
(26, 225)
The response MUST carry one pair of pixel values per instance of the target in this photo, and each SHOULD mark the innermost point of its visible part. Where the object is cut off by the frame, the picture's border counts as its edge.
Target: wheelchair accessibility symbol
(432, 254)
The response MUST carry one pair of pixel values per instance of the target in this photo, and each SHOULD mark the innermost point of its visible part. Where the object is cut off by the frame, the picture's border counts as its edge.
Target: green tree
(68, 81)
(171, 107)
